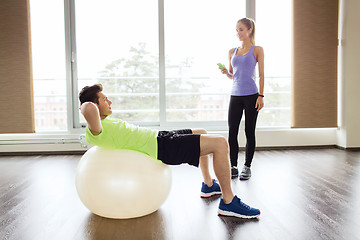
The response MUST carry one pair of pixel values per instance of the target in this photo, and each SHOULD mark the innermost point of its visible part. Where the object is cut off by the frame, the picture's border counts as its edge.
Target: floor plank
(303, 194)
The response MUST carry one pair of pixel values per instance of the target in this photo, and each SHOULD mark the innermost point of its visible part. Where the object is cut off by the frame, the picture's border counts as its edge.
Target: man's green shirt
(118, 134)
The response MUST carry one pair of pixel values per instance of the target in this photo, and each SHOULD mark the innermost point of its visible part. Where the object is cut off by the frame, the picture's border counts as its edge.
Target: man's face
(104, 105)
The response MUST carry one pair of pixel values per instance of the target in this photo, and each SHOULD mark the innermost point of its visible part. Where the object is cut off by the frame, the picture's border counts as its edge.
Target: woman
(245, 95)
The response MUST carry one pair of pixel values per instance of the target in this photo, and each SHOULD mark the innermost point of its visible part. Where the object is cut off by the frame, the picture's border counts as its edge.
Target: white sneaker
(245, 173)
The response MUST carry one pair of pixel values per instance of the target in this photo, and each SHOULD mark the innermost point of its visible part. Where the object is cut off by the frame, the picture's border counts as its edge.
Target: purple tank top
(244, 73)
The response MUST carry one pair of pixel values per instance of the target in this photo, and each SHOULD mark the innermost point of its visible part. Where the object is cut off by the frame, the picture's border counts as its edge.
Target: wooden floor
(302, 194)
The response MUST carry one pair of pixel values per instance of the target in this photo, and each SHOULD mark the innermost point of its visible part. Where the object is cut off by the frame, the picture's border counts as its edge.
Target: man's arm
(92, 116)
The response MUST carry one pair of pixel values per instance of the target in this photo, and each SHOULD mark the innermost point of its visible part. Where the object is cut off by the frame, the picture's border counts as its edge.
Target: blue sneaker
(237, 209)
(207, 191)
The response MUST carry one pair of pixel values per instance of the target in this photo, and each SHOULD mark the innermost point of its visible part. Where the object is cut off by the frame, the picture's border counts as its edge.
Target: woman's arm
(229, 73)
(259, 55)
(92, 116)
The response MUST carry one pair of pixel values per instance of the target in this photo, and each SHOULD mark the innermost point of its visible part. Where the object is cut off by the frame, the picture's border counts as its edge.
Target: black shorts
(178, 147)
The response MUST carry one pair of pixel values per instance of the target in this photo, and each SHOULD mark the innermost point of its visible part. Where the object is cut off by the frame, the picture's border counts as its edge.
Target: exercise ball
(121, 184)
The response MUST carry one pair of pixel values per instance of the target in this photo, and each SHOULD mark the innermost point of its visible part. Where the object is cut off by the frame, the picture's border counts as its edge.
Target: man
(171, 147)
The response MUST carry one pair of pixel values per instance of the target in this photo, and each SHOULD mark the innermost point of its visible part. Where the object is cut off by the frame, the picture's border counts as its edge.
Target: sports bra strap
(235, 49)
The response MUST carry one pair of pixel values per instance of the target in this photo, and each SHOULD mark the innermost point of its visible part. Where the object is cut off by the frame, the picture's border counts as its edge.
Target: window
(48, 51)
(117, 46)
(158, 67)
(273, 33)
(130, 71)
(193, 46)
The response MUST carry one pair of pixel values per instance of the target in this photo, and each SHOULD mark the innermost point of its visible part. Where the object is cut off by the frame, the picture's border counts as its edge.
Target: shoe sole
(244, 178)
(206, 195)
(232, 214)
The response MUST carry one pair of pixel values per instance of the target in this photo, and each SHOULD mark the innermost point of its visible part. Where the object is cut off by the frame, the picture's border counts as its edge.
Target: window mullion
(250, 9)
(71, 65)
(162, 97)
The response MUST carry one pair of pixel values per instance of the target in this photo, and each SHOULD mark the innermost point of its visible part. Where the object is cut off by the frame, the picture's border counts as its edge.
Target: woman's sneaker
(245, 173)
(207, 191)
(234, 172)
(237, 209)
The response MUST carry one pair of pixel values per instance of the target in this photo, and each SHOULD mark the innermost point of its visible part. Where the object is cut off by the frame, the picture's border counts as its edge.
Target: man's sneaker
(234, 172)
(207, 191)
(237, 209)
(245, 173)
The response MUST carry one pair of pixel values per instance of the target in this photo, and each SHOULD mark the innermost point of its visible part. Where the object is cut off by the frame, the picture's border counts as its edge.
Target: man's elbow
(88, 108)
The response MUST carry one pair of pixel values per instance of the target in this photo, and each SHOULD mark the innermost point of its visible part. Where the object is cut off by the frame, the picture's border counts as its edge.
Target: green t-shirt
(118, 134)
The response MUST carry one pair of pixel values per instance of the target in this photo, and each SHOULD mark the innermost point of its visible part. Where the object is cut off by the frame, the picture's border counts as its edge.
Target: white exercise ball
(121, 184)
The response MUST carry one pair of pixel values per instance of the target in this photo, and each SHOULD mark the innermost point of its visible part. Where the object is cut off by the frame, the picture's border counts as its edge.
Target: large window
(196, 39)
(120, 49)
(273, 33)
(117, 46)
(156, 59)
(48, 51)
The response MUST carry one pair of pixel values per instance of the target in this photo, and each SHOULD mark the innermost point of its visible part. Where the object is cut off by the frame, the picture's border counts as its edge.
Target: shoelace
(244, 205)
(244, 170)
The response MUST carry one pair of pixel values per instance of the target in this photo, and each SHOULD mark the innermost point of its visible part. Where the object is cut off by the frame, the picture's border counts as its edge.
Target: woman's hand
(226, 72)
(259, 103)
(223, 70)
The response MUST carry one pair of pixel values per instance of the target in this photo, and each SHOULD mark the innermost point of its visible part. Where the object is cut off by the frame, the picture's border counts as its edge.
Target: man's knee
(222, 144)
(199, 131)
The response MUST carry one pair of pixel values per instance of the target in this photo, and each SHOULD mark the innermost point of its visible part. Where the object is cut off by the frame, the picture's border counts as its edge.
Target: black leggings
(237, 105)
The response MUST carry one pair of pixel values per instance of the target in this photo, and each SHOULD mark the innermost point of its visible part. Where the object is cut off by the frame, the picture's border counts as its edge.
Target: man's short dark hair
(89, 93)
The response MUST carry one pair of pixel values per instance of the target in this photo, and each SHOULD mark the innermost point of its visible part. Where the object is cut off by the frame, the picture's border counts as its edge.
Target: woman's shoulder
(258, 53)
(258, 48)
(231, 51)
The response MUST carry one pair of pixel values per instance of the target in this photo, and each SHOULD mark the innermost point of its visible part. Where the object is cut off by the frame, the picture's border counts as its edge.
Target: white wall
(348, 135)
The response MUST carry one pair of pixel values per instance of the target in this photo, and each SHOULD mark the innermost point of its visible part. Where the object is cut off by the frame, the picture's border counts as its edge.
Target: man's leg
(230, 205)
(218, 146)
(204, 162)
